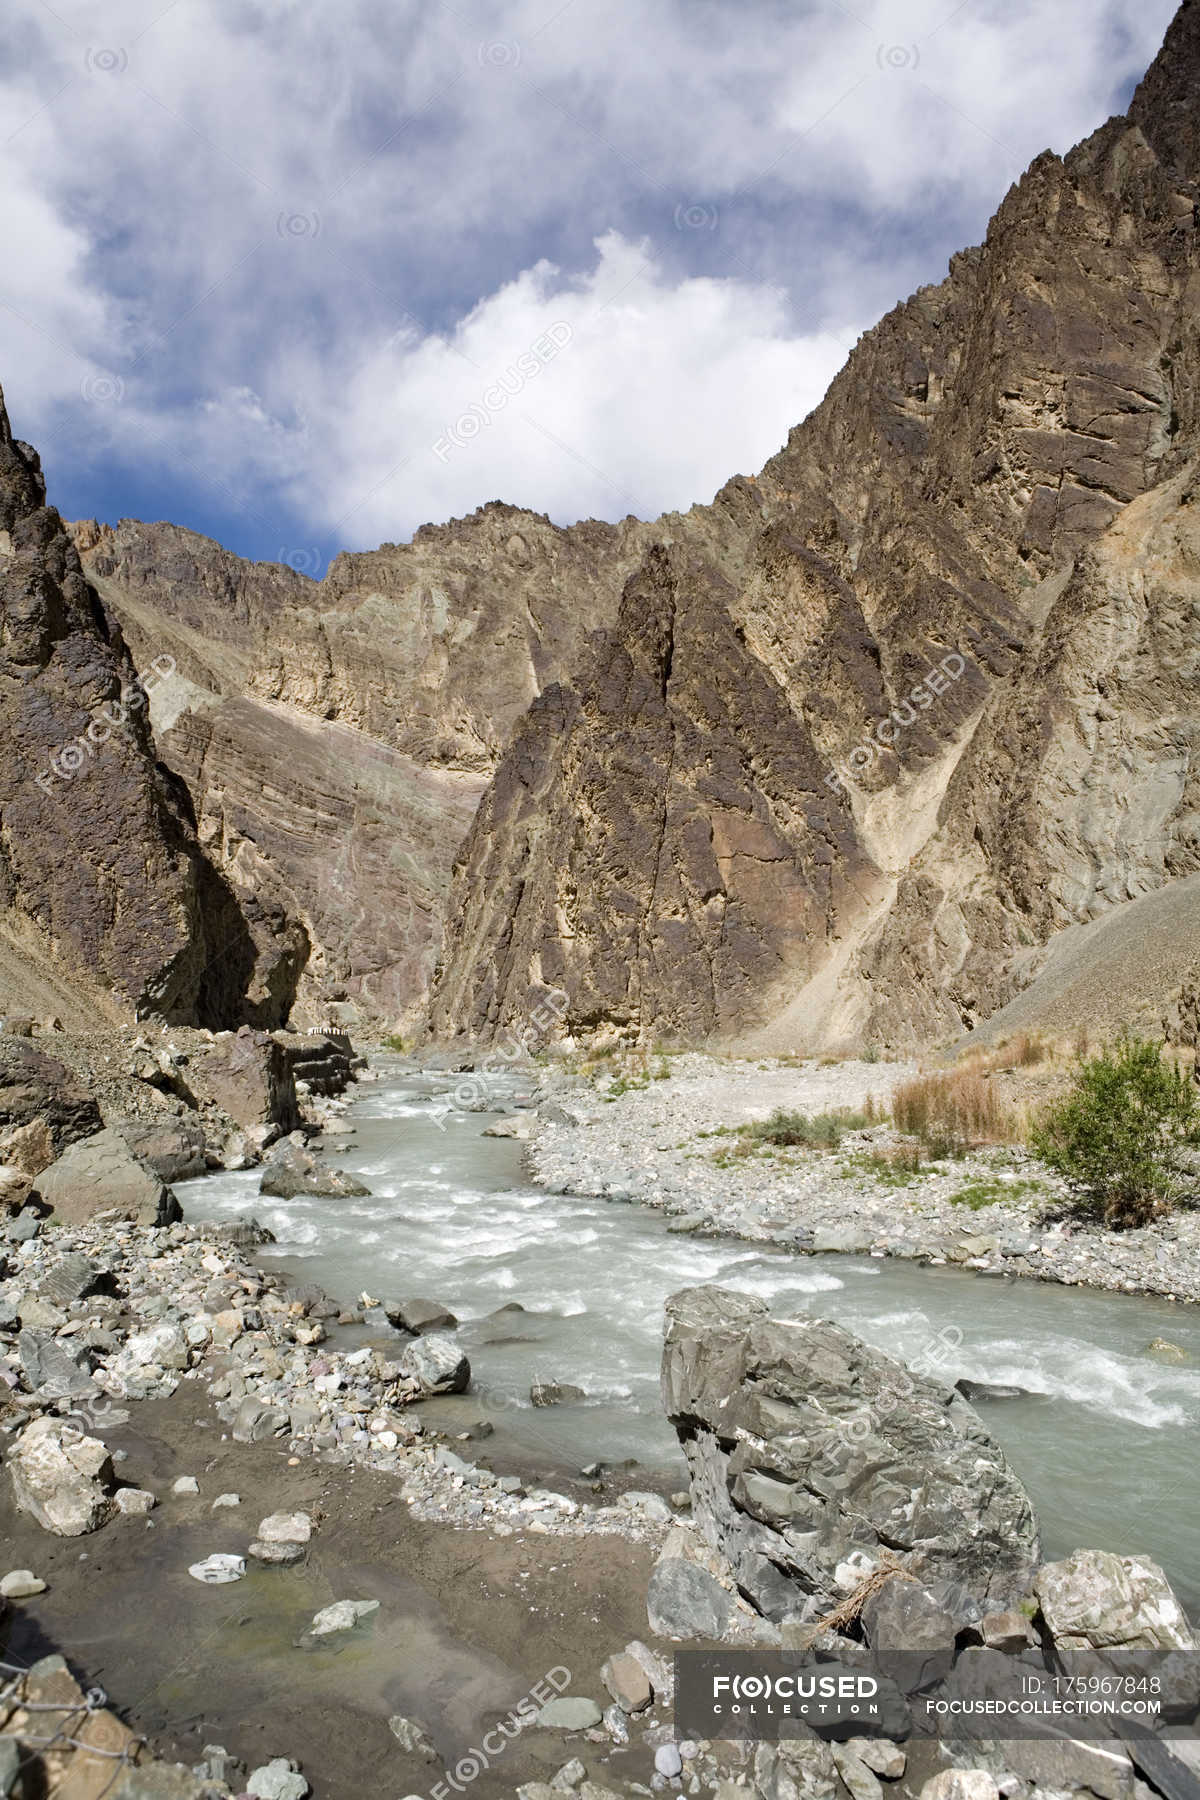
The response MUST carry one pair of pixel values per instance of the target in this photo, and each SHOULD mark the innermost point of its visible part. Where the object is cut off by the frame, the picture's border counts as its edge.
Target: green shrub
(394, 1041)
(1119, 1134)
(817, 1131)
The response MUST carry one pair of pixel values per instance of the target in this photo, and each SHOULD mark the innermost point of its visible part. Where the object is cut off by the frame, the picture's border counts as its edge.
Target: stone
(1007, 1631)
(572, 1773)
(342, 1615)
(419, 1316)
(554, 1393)
(912, 1638)
(256, 1421)
(685, 1601)
(42, 1105)
(627, 1682)
(226, 1500)
(135, 1502)
(860, 1781)
(569, 1712)
(413, 1737)
(21, 1584)
(961, 1784)
(102, 1174)
(436, 1364)
(185, 1484)
(277, 1780)
(1093, 1600)
(278, 1555)
(292, 1171)
(880, 1756)
(54, 1369)
(61, 1478)
(173, 1148)
(650, 1506)
(286, 1528)
(218, 1569)
(667, 1761)
(781, 1422)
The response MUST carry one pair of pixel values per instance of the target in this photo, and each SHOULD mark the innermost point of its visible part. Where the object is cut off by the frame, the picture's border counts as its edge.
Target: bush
(1119, 1135)
(818, 1131)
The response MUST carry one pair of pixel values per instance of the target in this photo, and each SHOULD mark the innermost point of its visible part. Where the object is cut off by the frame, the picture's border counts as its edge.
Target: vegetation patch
(954, 1111)
(1124, 1136)
(985, 1191)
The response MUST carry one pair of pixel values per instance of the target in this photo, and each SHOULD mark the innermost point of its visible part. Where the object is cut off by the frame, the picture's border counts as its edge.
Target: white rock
(961, 1784)
(135, 1501)
(226, 1500)
(61, 1477)
(667, 1760)
(218, 1569)
(277, 1780)
(285, 1528)
(21, 1584)
(186, 1484)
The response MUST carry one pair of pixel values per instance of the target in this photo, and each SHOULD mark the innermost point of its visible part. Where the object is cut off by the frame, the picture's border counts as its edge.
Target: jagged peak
(1166, 104)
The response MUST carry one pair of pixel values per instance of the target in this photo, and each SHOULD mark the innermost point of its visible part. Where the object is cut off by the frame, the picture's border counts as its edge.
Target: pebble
(186, 1484)
(135, 1502)
(667, 1760)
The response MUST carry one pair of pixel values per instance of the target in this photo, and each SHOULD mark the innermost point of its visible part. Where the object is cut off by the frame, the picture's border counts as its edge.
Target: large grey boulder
(62, 1478)
(418, 1315)
(1093, 1600)
(436, 1364)
(101, 1174)
(814, 1458)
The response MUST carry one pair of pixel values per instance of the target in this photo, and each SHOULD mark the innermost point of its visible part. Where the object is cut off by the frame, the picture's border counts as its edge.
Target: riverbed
(569, 1288)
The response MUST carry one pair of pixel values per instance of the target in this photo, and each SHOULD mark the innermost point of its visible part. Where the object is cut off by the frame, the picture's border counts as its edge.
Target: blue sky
(303, 276)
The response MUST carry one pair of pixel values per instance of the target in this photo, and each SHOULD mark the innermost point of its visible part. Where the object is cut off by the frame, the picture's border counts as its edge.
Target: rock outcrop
(814, 1459)
(873, 728)
(101, 872)
(102, 1174)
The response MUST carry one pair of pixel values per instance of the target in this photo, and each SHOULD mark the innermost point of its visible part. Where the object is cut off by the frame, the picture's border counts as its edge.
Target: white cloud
(286, 228)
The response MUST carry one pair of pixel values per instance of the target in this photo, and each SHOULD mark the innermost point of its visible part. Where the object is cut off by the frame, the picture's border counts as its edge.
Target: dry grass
(955, 1110)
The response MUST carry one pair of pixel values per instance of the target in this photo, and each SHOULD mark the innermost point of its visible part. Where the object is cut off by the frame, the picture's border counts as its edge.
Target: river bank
(665, 1143)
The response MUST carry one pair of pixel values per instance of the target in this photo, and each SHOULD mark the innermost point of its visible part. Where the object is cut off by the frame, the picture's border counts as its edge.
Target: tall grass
(952, 1111)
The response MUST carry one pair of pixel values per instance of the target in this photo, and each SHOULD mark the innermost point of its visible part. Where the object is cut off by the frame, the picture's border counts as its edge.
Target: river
(1103, 1434)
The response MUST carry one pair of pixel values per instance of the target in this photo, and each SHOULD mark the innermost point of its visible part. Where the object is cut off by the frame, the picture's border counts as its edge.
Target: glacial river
(1104, 1433)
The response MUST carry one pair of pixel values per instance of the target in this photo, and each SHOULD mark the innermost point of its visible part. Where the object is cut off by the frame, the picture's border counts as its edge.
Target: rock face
(336, 737)
(101, 873)
(37, 1091)
(62, 1478)
(876, 725)
(813, 1458)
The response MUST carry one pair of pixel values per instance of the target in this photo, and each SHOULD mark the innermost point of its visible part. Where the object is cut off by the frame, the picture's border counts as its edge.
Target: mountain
(335, 737)
(873, 729)
(107, 900)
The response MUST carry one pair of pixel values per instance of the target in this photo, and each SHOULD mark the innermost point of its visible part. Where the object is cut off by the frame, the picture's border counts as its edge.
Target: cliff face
(873, 728)
(101, 872)
(336, 736)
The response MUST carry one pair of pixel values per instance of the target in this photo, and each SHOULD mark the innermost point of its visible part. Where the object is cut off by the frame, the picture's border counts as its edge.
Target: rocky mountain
(105, 891)
(873, 729)
(336, 736)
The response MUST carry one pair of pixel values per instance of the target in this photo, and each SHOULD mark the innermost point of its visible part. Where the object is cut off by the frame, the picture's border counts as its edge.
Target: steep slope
(967, 586)
(336, 736)
(103, 885)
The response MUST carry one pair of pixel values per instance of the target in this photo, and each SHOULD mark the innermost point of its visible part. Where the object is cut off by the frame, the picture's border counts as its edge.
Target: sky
(303, 276)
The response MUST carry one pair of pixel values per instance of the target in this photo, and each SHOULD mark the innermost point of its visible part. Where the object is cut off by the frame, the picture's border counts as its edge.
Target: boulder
(293, 1171)
(28, 1149)
(173, 1148)
(61, 1478)
(103, 1174)
(37, 1090)
(1094, 1600)
(554, 1393)
(685, 1601)
(249, 1076)
(418, 1316)
(911, 1636)
(436, 1364)
(627, 1682)
(805, 1445)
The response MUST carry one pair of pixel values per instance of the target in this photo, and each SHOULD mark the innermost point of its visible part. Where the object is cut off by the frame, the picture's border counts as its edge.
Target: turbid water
(1103, 1434)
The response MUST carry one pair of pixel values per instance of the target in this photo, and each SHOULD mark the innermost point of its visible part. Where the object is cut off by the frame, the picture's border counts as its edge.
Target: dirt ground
(468, 1624)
